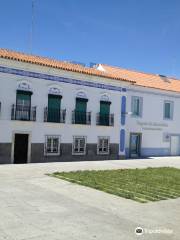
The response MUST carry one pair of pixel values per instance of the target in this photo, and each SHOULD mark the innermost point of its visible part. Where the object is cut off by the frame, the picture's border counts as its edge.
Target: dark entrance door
(21, 148)
(135, 145)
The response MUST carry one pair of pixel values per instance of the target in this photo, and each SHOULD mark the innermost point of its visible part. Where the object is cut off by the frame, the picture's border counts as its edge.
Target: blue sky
(135, 34)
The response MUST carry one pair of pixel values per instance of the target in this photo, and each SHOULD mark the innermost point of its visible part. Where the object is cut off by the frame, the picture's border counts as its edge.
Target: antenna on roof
(32, 26)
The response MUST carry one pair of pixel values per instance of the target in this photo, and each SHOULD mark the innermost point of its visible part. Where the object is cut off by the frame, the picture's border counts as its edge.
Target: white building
(58, 111)
(153, 127)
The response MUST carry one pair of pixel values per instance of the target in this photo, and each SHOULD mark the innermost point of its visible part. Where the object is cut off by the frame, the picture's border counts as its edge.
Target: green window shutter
(81, 105)
(104, 113)
(132, 105)
(171, 110)
(140, 106)
(23, 98)
(23, 105)
(54, 107)
(104, 108)
(54, 101)
(167, 110)
(137, 106)
(80, 111)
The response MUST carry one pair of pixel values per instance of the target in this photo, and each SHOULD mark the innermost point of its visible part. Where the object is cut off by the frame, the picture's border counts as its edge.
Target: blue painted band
(123, 110)
(122, 140)
(58, 79)
(124, 89)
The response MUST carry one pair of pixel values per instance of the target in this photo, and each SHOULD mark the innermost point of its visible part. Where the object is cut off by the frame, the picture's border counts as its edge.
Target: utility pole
(32, 26)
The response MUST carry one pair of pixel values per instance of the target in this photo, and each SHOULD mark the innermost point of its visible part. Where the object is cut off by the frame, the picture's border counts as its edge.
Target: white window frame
(171, 110)
(45, 145)
(98, 146)
(73, 145)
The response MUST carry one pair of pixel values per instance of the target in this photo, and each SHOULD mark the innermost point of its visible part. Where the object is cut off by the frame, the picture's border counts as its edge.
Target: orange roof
(43, 61)
(144, 79)
(117, 73)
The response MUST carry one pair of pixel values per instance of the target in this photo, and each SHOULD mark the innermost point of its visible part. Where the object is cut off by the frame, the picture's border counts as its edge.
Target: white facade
(37, 130)
(155, 130)
(157, 136)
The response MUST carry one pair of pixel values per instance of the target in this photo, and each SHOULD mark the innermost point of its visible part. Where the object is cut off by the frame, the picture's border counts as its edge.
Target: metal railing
(105, 119)
(23, 113)
(54, 115)
(81, 117)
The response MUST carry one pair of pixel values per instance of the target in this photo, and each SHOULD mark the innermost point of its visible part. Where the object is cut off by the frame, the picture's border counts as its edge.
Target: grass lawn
(142, 185)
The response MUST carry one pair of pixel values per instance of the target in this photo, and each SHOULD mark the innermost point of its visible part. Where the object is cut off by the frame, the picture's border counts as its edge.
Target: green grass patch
(141, 185)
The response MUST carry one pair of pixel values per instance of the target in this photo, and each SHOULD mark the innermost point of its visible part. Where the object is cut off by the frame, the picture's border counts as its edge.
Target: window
(79, 145)
(54, 106)
(23, 98)
(80, 110)
(103, 145)
(104, 112)
(136, 106)
(168, 110)
(52, 145)
(23, 105)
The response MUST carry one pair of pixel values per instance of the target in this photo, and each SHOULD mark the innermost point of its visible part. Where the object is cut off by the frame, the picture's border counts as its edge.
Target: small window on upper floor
(136, 106)
(168, 110)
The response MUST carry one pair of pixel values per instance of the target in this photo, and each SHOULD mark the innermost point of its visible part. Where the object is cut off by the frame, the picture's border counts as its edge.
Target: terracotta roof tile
(117, 73)
(43, 61)
(144, 79)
